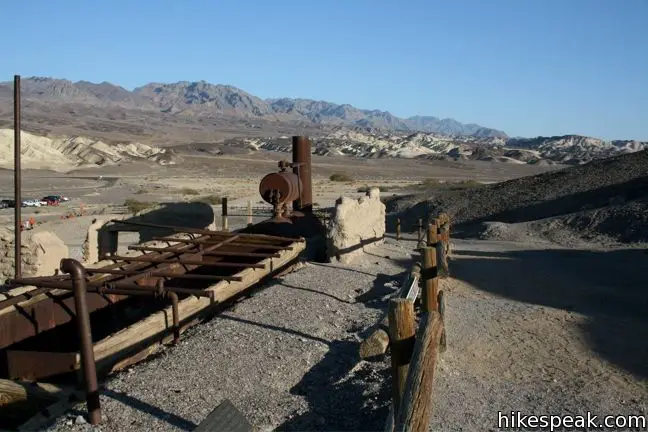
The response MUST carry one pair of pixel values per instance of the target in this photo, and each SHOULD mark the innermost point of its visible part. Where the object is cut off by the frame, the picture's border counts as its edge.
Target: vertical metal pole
(302, 156)
(224, 215)
(176, 316)
(17, 195)
(249, 213)
(75, 269)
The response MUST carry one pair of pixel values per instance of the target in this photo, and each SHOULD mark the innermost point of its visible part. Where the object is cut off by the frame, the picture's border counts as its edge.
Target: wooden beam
(416, 408)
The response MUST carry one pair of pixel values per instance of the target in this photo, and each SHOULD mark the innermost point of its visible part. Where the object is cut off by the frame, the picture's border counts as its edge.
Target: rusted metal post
(302, 157)
(224, 207)
(17, 169)
(398, 229)
(75, 269)
(401, 335)
(176, 316)
(249, 213)
(430, 279)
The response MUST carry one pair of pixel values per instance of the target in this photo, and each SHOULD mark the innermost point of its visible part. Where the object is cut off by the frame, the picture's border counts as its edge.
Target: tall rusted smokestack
(17, 186)
(302, 156)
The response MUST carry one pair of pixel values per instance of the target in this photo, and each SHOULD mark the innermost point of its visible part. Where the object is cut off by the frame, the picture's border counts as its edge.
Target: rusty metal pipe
(17, 182)
(302, 157)
(176, 316)
(75, 269)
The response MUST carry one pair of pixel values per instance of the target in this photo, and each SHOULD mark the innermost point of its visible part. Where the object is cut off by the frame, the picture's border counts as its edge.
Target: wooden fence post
(432, 237)
(401, 335)
(224, 208)
(430, 280)
(249, 213)
(416, 407)
(419, 239)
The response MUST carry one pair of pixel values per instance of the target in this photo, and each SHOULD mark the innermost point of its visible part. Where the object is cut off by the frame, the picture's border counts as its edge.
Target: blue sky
(528, 67)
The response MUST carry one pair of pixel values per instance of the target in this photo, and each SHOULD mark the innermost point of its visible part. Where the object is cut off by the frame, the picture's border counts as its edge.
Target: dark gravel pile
(606, 196)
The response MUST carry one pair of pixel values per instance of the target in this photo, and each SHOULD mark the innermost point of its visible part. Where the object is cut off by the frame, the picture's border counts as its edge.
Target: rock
(80, 420)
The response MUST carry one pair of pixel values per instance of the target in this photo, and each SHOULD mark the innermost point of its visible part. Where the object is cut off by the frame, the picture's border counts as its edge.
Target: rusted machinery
(46, 323)
(290, 193)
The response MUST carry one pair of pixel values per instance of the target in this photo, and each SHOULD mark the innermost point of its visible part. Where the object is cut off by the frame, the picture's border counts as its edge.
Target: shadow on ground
(337, 399)
(609, 288)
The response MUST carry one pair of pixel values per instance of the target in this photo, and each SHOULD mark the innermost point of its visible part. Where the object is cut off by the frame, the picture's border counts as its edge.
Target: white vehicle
(31, 203)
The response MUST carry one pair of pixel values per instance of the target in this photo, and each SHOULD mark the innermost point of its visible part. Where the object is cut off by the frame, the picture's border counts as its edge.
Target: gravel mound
(607, 197)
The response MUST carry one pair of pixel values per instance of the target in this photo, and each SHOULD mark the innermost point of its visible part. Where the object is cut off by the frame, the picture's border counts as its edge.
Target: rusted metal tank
(280, 187)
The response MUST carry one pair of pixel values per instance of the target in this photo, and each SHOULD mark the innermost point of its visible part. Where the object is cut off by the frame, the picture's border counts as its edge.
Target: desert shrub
(134, 206)
(141, 192)
(431, 182)
(380, 188)
(340, 177)
(469, 183)
(190, 191)
(210, 199)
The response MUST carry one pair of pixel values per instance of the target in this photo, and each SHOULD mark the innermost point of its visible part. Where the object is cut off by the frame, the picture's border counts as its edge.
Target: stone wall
(355, 225)
(41, 252)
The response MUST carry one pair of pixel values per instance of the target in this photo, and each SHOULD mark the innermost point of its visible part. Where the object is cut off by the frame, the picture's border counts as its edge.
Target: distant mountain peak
(202, 97)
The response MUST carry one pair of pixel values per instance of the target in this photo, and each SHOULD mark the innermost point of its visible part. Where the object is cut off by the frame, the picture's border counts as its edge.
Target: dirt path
(542, 331)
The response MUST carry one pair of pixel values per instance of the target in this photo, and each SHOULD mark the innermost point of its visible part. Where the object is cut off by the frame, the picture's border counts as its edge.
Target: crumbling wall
(41, 252)
(355, 225)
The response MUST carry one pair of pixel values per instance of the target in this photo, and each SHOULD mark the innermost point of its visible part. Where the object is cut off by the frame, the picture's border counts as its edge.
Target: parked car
(58, 198)
(50, 200)
(31, 203)
(5, 203)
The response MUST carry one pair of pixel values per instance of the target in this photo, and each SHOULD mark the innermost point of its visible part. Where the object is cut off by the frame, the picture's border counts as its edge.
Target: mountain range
(202, 99)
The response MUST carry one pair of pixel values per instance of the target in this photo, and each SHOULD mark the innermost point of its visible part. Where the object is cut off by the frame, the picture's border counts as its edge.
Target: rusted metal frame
(165, 255)
(222, 253)
(17, 182)
(187, 230)
(172, 249)
(125, 287)
(183, 261)
(12, 301)
(159, 288)
(161, 273)
(75, 269)
(243, 254)
(252, 245)
(140, 266)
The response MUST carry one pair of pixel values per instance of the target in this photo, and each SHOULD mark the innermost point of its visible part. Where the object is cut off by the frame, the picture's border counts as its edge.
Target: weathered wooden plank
(416, 407)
